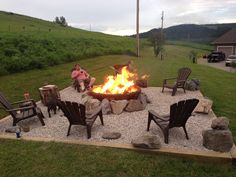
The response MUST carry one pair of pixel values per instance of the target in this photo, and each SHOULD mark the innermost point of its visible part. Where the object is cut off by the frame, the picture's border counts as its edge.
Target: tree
(61, 21)
(157, 40)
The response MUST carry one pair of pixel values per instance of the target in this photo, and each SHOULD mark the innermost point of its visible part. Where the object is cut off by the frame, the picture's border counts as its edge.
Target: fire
(118, 84)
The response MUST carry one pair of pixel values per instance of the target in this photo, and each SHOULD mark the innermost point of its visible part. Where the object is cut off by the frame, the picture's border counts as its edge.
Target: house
(226, 43)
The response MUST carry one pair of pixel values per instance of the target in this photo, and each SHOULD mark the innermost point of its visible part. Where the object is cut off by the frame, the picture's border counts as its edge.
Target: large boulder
(91, 105)
(220, 123)
(192, 85)
(118, 106)
(135, 105)
(111, 135)
(147, 142)
(204, 106)
(106, 107)
(218, 140)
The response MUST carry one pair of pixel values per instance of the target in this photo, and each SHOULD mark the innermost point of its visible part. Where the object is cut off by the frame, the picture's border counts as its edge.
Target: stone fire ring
(124, 96)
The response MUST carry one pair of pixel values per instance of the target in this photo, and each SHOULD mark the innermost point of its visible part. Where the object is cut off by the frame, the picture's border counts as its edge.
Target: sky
(119, 16)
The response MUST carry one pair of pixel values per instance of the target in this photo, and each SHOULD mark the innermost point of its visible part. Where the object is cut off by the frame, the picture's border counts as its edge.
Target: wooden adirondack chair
(179, 114)
(75, 113)
(21, 112)
(183, 75)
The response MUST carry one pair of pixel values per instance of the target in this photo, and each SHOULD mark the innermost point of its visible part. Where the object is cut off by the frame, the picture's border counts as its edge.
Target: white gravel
(130, 125)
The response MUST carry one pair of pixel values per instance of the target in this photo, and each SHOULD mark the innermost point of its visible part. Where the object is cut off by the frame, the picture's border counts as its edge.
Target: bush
(9, 52)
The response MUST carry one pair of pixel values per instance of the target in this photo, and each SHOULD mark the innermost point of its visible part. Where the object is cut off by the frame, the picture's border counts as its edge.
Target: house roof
(227, 38)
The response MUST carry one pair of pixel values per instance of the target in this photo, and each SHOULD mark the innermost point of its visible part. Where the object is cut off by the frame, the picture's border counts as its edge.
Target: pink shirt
(80, 75)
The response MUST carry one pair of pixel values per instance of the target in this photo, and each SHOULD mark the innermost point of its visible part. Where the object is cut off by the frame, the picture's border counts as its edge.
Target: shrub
(9, 52)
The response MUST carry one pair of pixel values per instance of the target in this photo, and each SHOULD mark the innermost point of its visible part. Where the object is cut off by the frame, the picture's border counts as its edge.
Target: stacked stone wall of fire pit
(115, 106)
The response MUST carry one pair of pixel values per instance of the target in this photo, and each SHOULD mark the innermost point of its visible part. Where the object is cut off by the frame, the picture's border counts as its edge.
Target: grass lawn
(26, 159)
(52, 159)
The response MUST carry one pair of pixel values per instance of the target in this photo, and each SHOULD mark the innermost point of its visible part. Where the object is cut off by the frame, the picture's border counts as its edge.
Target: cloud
(119, 16)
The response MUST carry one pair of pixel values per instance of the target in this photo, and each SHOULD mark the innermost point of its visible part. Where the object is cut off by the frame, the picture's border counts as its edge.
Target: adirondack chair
(21, 112)
(179, 114)
(183, 75)
(75, 113)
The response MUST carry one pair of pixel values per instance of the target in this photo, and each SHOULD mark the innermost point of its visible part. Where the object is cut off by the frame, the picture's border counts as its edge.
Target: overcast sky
(118, 16)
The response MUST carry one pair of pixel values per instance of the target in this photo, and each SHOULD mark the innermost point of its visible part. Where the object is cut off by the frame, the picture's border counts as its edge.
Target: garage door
(228, 50)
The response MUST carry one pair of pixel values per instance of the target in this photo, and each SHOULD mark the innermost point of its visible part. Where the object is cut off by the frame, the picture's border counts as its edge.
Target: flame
(118, 84)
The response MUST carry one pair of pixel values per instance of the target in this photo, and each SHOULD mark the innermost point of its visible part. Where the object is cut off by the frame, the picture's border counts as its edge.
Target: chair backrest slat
(74, 112)
(183, 74)
(6, 104)
(181, 111)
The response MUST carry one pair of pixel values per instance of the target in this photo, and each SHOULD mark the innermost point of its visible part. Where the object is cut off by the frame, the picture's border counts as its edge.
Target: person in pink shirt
(84, 79)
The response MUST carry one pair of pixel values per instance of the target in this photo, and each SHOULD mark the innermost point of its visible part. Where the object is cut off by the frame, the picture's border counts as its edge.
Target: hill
(29, 43)
(192, 32)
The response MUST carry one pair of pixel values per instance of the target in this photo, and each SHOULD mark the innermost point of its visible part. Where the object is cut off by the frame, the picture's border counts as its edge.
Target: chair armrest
(160, 117)
(171, 78)
(95, 113)
(165, 80)
(21, 109)
(24, 101)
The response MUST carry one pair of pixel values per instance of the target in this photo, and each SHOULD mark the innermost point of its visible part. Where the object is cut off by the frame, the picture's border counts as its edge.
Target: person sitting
(119, 67)
(82, 77)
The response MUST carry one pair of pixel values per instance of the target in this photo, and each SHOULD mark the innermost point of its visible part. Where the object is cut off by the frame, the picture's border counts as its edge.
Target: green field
(28, 43)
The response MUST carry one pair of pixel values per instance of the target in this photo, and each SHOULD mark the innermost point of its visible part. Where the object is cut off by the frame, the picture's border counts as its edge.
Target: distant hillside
(191, 32)
(30, 43)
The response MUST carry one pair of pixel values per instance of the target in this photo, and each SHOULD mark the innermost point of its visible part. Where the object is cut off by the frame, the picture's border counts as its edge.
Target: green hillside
(192, 32)
(29, 43)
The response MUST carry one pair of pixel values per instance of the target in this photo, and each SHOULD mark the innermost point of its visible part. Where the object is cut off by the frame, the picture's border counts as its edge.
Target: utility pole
(162, 20)
(137, 29)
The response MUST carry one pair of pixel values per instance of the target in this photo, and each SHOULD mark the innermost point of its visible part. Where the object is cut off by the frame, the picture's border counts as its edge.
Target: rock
(135, 105)
(218, 140)
(148, 142)
(13, 129)
(144, 99)
(192, 85)
(204, 106)
(118, 106)
(220, 123)
(106, 107)
(91, 104)
(85, 98)
(111, 135)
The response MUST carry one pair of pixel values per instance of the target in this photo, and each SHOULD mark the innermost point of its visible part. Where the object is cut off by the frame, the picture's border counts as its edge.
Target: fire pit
(118, 87)
(123, 96)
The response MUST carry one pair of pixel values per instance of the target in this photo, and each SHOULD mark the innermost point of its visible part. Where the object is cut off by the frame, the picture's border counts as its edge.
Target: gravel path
(130, 125)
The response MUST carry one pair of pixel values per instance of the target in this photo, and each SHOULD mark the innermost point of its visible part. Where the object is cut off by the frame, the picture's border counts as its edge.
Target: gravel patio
(130, 125)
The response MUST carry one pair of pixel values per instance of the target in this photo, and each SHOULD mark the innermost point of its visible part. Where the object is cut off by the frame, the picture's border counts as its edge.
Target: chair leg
(185, 131)
(162, 89)
(101, 117)
(14, 122)
(40, 116)
(88, 131)
(49, 114)
(149, 121)
(166, 135)
(174, 91)
(184, 89)
(68, 132)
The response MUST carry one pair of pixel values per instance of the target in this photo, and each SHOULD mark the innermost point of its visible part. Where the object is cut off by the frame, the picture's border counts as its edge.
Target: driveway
(218, 65)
